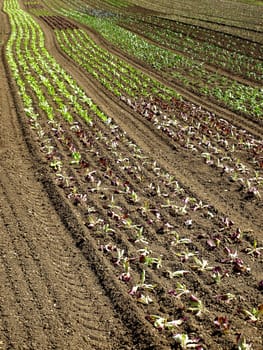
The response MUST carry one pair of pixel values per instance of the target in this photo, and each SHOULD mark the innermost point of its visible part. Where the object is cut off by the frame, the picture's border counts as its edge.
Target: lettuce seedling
(180, 290)
(196, 305)
(255, 250)
(242, 343)
(222, 323)
(144, 299)
(76, 157)
(179, 273)
(255, 314)
(177, 240)
(56, 164)
(136, 290)
(126, 275)
(201, 265)
(186, 343)
(161, 323)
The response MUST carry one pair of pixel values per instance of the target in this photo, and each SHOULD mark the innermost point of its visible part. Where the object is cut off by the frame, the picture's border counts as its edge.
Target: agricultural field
(131, 175)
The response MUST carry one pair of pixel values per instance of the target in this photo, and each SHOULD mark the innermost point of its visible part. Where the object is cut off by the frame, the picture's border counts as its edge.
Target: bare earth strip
(49, 296)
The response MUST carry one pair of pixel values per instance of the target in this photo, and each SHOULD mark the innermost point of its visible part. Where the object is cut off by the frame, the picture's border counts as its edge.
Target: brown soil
(57, 289)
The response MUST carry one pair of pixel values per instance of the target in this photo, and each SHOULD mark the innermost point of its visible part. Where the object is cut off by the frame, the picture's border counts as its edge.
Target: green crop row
(115, 74)
(221, 39)
(26, 54)
(185, 71)
(139, 91)
(233, 62)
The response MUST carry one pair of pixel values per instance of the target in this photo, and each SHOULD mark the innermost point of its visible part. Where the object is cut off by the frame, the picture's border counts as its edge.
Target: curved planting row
(187, 72)
(220, 39)
(115, 74)
(221, 144)
(33, 4)
(226, 59)
(58, 22)
(242, 20)
(183, 264)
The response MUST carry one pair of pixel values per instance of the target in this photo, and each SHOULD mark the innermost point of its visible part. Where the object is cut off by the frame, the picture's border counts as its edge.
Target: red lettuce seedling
(222, 323)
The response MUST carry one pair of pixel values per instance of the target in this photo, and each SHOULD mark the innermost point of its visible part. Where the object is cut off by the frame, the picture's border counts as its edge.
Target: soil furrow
(57, 299)
(64, 266)
(25, 283)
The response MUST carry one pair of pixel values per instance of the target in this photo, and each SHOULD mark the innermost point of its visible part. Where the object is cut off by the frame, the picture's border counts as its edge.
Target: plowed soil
(59, 289)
